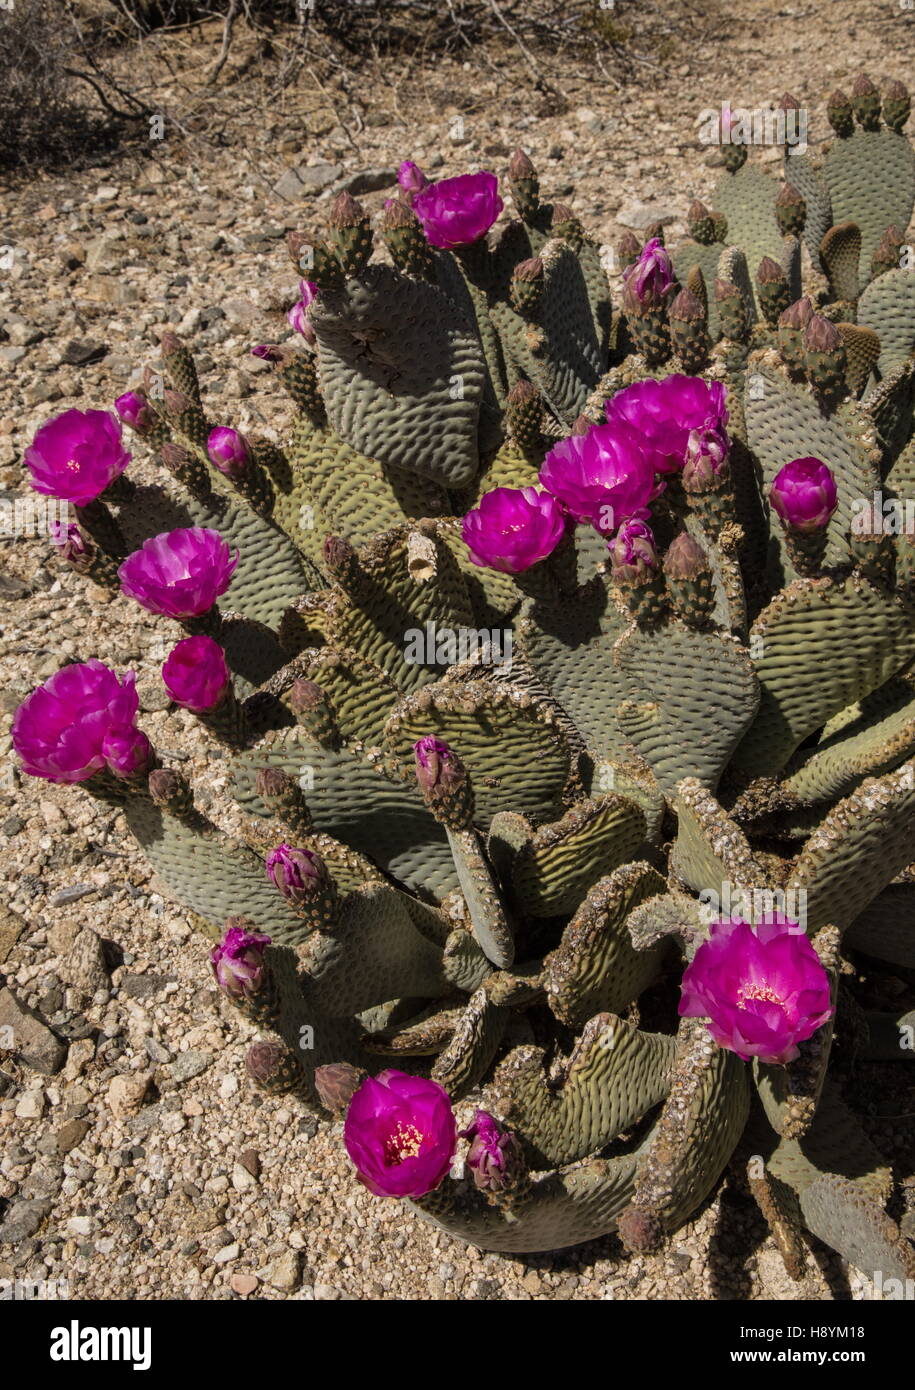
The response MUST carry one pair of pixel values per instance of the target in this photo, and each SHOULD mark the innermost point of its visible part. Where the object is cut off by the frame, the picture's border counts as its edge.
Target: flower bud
(627, 249)
(68, 541)
(127, 751)
(495, 1157)
(633, 556)
(228, 450)
(772, 285)
(865, 101)
(296, 873)
(336, 1084)
(134, 410)
(804, 494)
(897, 105)
(685, 558)
(839, 113)
(700, 224)
(443, 781)
(411, 178)
(790, 211)
(238, 961)
(524, 184)
(706, 465)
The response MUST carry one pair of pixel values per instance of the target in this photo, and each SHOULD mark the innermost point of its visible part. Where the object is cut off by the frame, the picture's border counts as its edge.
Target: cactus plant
(532, 765)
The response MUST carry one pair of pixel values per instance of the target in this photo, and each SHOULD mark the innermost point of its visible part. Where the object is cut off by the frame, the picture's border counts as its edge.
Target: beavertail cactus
(599, 663)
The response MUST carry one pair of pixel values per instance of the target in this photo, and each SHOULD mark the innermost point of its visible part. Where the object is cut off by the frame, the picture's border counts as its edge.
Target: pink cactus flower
(456, 212)
(400, 1133)
(195, 674)
(238, 962)
(804, 494)
(179, 573)
(602, 477)
(665, 413)
(59, 730)
(76, 455)
(513, 528)
(762, 988)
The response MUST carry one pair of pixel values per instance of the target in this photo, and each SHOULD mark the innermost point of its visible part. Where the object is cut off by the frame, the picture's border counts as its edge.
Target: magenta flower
(633, 546)
(804, 494)
(603, 476)
(495, 1157)
(650, 278)
(134, 410)
(455, 212)
(59, 730)
(67, 540)
(297, 317)
(77, 455)
(400, 1133)
(180, 573)
(127, 751)
(763, 988)
(238, 962)
(195, 674)
(295, 872)
(411, 178)
(228, 450)
(665, 414)
(512, 528)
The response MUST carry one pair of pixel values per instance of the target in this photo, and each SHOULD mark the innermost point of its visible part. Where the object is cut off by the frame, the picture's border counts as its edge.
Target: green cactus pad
(560, 353)
(375, 953)
(477, 1038)
(710, 849)
(401, 375)
(804, 172)
(350, 798)
(560, 862)
(614, 1075)
(871, 737)
(511, 745)
(888, 307)
(871, 181)
(596, 967)
(670, 675)
(824, 644)
(859, 848)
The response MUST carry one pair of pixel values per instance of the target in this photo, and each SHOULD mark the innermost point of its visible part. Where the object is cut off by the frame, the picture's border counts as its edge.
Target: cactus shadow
(740, 1230)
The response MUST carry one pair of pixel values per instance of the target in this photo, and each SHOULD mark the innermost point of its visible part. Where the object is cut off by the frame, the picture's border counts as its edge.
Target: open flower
(512, 528)
(762, 988)
(195, 673)
(59, 730)
(804, 494)
(77, 455)
(127, 751)
(665, 413)
(400, 1133)
(455, 212)
(238, 962)
(179, 573)
(650, 278)
(602, 476)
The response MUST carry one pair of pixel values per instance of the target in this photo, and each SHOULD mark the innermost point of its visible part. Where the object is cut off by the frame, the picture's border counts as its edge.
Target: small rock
(189, 1064)
(126, 1093)
(62, 937)
(639, 215)
(367, 181)
(31, 1106)
(80, 352)
(85, 966)
(242, 1180)
(326, 1293)
(144, 986)
(72, 1134)
(286, 1272)
(72, 894)
(29, 1038)
(23, 1220)
(251, 1160)
(227, 1253)
(11, 925)
(307, 179)
(243, 1283)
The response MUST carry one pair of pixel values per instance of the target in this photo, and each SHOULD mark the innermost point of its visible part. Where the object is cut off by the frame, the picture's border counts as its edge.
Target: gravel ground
(145, 1167)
